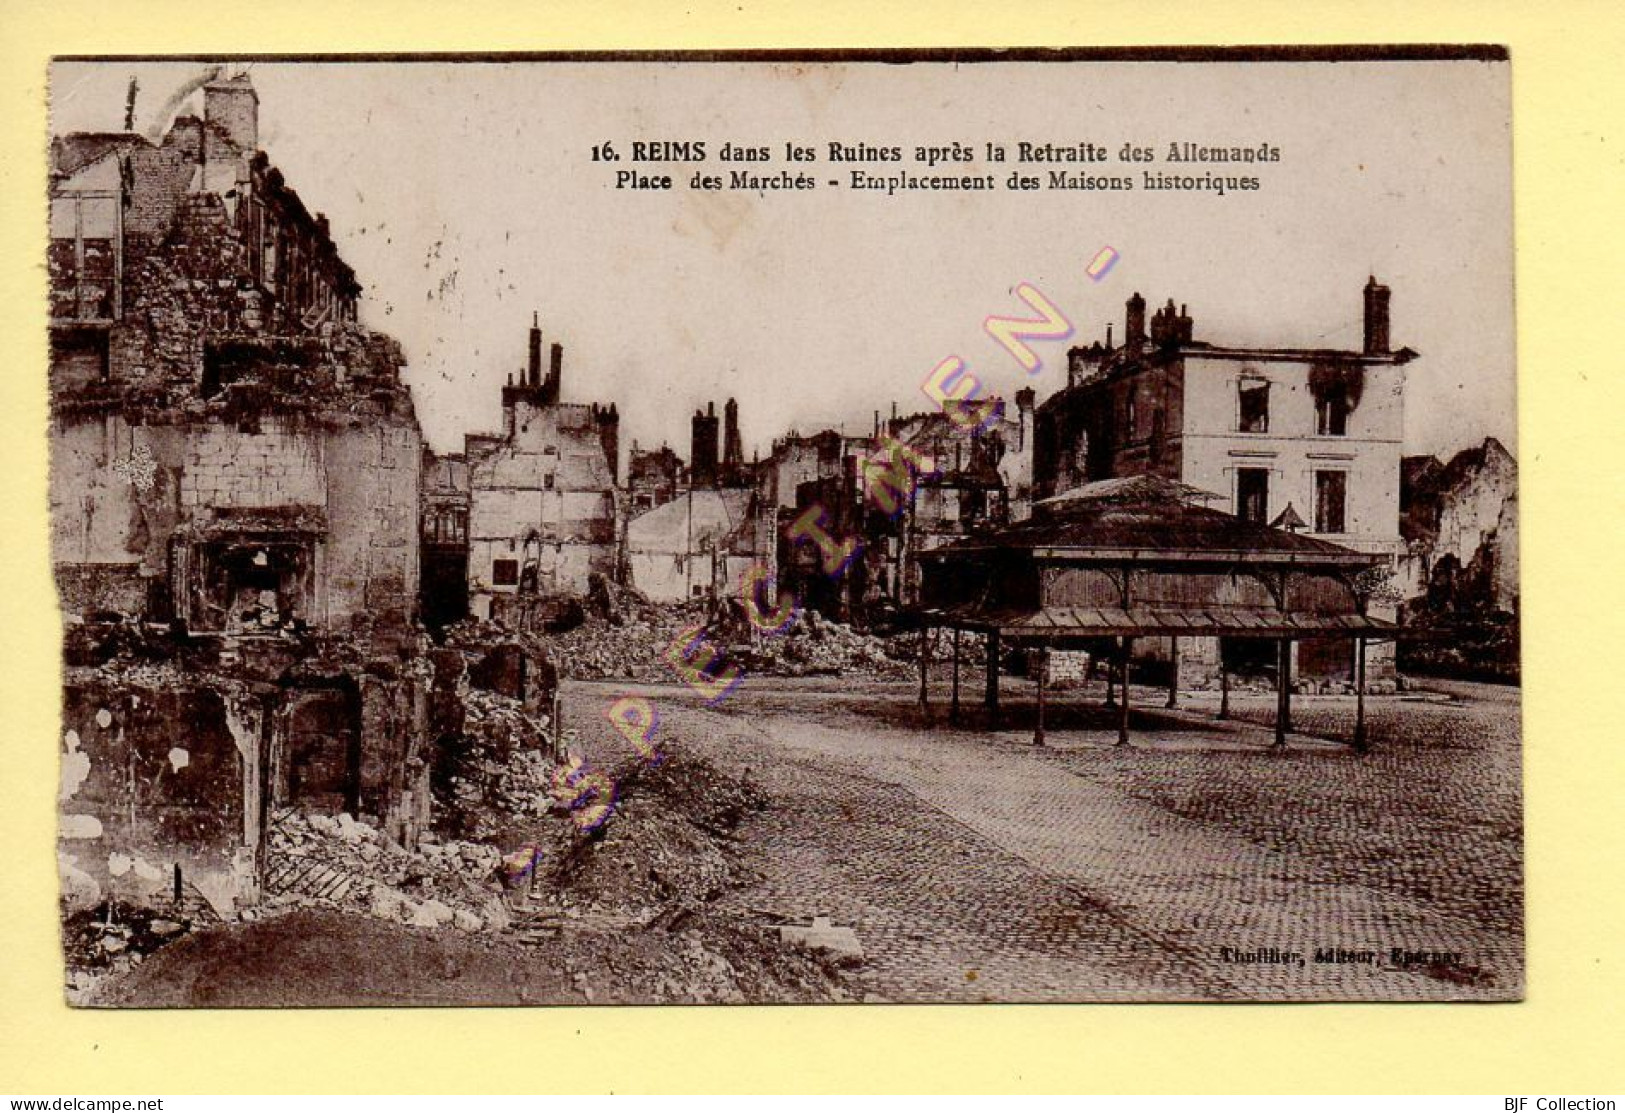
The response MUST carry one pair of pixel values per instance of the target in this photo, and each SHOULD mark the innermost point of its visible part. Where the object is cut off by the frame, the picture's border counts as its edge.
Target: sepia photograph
(757, 528)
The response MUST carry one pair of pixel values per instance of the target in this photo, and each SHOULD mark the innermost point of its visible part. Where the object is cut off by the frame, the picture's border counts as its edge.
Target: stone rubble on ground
(358, 870)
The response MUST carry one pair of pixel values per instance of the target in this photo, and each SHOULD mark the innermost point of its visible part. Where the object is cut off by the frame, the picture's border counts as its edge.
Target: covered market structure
(1138, 557)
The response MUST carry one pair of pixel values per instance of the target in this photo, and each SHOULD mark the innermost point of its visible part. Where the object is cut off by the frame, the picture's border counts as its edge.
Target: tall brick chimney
(533, 375)
(555, 375)
(702, 464)
(1376, 318)
(1134, 324)
(1025, 399)
(733, 449)
(609, 435)
(233, 107)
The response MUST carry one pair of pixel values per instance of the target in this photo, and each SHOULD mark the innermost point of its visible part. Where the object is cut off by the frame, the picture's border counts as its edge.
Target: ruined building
(443, 538)
(698, 540)
(1303, 438)
(698, 545)
(1461, 530)
(653, 477)
(543, 498)
(979, 479)
(942, 483)
(234, 488)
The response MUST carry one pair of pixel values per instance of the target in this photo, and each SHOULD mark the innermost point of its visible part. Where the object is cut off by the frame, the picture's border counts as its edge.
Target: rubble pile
(710, 961)
(115, 937)
(815, 646)
(661, 866)
(636, 646)
(664, 844)
(344, 864)
(630, 644)
(626, 637)
(497, 772)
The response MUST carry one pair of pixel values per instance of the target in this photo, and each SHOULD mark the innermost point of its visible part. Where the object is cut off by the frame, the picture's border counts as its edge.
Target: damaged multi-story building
(234, 491)
(654, 477)
(1461, 529)
(699, 542)
(544, 501)
(1304, 439)
(918, 482)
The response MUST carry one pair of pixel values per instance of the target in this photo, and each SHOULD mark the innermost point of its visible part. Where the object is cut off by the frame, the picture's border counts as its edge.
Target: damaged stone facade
(235, 482)
(952, 482)
(544, 503)
(693, 532)
(697, 546)
(1461, 528)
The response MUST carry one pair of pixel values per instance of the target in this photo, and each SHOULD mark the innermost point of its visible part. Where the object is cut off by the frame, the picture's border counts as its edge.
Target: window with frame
(1331, 501)
(505, 573)
(1253, 494)
(1253, 406)
(1332, 414)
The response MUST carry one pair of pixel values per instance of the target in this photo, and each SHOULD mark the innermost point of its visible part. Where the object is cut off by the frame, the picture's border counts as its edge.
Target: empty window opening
(1253, 494)
(254, 587)
(1255, 406)
(1331, 494)
(1337, 389)
(1332, 415)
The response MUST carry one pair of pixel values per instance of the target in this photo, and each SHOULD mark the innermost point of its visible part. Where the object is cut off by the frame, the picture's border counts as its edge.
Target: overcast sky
(465, 196)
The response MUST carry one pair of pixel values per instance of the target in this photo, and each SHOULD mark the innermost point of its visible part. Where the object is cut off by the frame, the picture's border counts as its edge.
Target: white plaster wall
(1213, 448)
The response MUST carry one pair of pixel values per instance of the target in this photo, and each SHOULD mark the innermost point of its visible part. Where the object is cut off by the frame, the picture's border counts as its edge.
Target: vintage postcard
(941, 526)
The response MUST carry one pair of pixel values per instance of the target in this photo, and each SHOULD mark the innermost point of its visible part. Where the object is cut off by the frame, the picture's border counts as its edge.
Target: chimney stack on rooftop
(733, 449)
(703, 448)
(1134, 323)
(555, 374)
(1377, 340)
(534, 376)
(231, 106)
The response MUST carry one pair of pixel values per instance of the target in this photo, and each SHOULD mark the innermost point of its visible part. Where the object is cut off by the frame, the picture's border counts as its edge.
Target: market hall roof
(1146, 518)
(1153, 621)
(1160, 566)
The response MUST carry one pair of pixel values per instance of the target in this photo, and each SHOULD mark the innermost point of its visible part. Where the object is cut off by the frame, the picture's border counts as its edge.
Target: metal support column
(1283, 692)
(991, 699)
(1360, 742)
(1173, 673)
(953, 707)
(1224, 684)
(1043, 671)
(925, 665)
(1122, 714)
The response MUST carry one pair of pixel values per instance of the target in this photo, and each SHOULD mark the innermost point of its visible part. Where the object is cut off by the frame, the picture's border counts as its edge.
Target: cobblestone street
(979, 867)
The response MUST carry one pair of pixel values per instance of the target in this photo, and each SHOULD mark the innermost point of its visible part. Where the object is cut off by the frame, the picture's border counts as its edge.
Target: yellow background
(1568, 83)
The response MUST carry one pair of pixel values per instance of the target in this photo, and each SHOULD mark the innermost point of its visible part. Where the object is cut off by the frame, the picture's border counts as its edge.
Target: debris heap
(347, 865)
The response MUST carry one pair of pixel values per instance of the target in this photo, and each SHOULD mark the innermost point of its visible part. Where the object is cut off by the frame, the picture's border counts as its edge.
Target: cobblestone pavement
(976, 866)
